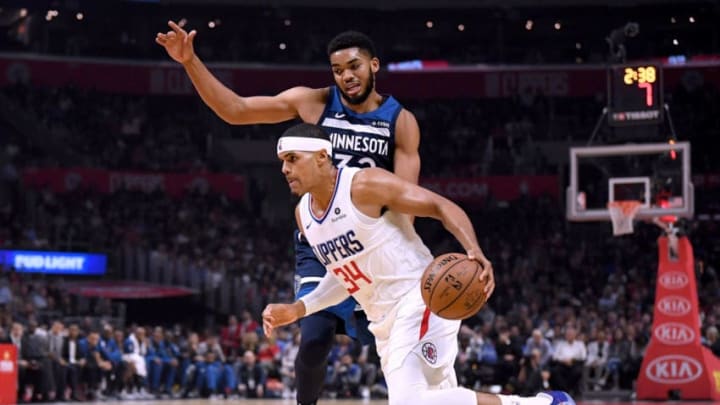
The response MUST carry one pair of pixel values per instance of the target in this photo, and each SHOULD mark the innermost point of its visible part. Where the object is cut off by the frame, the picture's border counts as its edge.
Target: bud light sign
(31, 261)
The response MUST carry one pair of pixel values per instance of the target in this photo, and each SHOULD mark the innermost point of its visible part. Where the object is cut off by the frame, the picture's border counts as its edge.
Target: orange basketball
(451, 286)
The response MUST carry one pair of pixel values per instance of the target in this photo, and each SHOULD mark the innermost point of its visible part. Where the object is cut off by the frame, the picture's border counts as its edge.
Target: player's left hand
(487, 275)
(276, 315)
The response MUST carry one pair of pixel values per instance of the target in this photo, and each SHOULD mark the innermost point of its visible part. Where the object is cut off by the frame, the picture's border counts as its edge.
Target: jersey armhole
(364, 220)
(328, 105)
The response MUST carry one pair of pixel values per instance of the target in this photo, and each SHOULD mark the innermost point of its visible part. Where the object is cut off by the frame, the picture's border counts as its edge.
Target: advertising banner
(35, 261)
(8, 374)
(676, 363)
(106, 181)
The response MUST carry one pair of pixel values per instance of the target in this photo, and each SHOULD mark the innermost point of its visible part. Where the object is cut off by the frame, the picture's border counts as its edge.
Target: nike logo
(339, 115)
(308, 225)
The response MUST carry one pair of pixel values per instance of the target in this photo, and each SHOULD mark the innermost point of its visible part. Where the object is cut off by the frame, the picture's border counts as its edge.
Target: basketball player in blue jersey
(367, 130)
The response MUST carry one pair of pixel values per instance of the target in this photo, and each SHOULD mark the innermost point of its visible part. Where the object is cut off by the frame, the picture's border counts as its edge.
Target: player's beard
(359, 99)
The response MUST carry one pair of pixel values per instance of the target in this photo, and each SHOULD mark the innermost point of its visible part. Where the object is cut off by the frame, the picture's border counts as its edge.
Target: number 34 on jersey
(351, 275)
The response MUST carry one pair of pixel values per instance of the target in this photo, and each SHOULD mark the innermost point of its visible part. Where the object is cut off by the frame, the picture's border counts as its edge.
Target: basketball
(451, 286)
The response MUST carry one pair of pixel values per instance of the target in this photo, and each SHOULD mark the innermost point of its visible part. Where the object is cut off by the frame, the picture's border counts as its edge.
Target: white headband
(302, 144)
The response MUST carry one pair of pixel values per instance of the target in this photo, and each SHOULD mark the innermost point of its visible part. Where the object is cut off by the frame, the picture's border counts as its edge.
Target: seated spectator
(72, 362)
(95, 365)
(568, 360)
(345, 380)
(231, 336)
(135, 348)
(595, 365)
(538, 341)
(533, 376)
(56, 341)
(712, 341)
(251, 377)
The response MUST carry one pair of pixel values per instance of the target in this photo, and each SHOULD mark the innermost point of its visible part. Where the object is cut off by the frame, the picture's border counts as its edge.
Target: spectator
(73, 363)
(95, 365)
(598, 351)
(539, 342)
(231, 336)
(251, 377)
(712, 341)
(56, 342)
(569, 357)
(533, 376)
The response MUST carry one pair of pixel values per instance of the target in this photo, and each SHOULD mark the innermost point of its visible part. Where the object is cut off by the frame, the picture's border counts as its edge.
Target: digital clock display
(635, 95)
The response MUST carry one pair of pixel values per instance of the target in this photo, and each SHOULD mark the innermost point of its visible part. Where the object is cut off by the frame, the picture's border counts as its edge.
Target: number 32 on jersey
(351, 274)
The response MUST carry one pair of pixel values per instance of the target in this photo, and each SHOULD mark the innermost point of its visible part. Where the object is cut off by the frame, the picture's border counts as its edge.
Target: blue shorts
(308, 271)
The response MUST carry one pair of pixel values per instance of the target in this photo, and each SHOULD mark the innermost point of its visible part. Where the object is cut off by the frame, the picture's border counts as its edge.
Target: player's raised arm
(373, 189)
(407, 142)
(292, 103)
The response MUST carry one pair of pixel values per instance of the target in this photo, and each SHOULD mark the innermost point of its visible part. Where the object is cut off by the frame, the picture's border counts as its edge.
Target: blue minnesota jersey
(361, 140)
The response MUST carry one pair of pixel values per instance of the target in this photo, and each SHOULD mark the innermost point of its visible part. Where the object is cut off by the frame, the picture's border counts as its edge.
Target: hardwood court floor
(347, 402)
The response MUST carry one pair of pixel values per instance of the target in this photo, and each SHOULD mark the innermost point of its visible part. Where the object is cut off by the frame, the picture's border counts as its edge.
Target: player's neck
(323, 193)
(372, 103)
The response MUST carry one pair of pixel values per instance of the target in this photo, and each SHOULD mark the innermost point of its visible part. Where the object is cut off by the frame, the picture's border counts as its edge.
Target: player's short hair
(305, 130)
(351, 39)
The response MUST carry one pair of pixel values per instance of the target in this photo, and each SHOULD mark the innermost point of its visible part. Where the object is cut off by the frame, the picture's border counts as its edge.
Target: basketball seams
(477, 266)
(432, 291)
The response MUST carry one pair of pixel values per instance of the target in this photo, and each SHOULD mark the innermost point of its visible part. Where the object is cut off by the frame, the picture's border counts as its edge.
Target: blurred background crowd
(573, 305)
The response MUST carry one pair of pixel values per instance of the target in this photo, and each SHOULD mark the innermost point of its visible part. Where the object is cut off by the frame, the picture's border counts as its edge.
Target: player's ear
(375, 64)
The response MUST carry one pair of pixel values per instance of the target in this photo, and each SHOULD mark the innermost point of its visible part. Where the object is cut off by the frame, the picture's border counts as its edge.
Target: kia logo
(673, 333)
(673, 369)
(674, 306)
(674, 280)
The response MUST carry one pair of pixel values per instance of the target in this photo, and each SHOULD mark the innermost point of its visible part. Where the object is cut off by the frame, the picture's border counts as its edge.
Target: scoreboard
(635, 95)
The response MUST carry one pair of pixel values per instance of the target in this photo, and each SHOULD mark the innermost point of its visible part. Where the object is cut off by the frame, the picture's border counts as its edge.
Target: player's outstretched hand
(276, 315)
(177, 42)
(487, 275)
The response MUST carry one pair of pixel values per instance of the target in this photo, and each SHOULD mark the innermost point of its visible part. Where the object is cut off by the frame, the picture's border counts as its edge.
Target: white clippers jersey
(379, 260)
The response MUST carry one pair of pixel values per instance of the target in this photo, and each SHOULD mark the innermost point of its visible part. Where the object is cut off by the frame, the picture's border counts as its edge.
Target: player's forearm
(456, 221)
(216, 95)
(329, 292)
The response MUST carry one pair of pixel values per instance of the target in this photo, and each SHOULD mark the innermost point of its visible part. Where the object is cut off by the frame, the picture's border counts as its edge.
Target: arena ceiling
(416, 4)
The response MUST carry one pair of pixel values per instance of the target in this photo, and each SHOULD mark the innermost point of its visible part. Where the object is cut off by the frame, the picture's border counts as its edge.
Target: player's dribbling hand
(178, 43)
(487, 275)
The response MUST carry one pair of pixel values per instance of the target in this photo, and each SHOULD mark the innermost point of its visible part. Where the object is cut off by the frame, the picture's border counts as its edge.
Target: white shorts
(411, 328)
(138, 361)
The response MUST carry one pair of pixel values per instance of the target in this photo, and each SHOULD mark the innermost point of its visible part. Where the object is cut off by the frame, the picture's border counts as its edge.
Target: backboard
(656, 174)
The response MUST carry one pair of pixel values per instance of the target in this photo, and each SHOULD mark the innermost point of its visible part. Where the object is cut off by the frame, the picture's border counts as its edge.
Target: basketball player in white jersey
(353, 220)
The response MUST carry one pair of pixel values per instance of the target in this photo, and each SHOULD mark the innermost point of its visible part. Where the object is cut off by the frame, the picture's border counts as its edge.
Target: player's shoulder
(305, 94)
(369, 177)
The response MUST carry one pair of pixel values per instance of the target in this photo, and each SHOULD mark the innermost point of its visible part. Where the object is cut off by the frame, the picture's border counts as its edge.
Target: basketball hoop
(622, 213)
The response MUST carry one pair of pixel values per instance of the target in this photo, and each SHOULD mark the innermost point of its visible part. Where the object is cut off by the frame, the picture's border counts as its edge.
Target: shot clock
(635, 95)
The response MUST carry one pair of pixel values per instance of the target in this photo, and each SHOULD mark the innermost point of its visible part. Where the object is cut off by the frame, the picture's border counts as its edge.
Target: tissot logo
(674, 305)
(674, 280)
(673, 333)
(674, 369)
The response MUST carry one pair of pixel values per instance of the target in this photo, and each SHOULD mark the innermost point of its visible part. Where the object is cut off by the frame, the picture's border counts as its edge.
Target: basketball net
(623, 214)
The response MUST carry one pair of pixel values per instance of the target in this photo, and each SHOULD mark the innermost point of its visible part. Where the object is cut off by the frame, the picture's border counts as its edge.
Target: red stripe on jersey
(425, 324)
